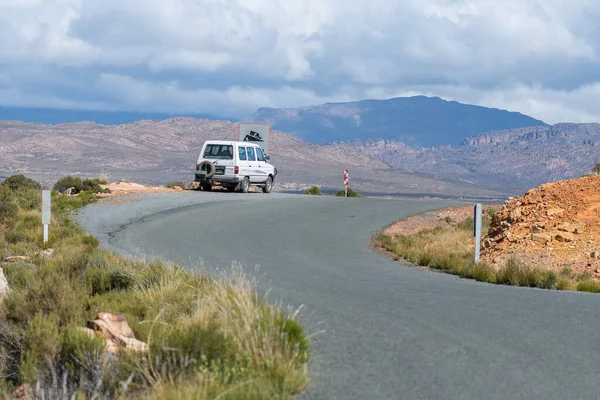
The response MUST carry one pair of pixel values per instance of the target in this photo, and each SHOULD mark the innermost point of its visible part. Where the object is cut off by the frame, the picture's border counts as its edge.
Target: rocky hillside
(511, 159)
(418, 121)
(157, 152)
(555, 225)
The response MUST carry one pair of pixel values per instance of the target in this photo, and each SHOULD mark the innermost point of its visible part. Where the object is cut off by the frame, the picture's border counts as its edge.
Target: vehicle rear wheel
(231, 188)
(207, 187)
(268, 185)
(245, 185)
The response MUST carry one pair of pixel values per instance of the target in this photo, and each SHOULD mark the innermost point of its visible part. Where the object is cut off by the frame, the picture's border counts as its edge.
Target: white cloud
(535, 56)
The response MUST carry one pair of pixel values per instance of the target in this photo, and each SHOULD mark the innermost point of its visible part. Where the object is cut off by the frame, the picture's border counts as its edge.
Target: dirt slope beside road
(556, 225)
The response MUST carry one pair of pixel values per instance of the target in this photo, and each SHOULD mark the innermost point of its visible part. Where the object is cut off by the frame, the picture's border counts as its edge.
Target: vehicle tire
(208, 167)
(268, 185)
(245, 185)
(207, 187)
(231, 188)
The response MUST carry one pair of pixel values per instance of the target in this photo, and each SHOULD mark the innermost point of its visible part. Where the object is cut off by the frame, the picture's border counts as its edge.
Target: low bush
(16, 182)
(78, 185)
(8, 207)
(314, 191)
(351, 193)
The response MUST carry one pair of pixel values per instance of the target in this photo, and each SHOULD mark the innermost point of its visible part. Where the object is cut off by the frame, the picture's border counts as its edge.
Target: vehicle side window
(251, 154)
(242, 153)
(259, 154)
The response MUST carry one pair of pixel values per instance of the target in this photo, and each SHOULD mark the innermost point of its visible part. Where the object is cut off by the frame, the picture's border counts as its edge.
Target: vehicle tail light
(197, 167)
(236, 170)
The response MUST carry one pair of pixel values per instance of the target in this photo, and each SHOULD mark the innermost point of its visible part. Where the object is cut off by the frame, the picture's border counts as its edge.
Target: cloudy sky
(229, 57)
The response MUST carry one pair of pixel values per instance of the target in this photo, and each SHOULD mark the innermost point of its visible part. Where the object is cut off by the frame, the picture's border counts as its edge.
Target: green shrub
(16, 182)
(10, 355)
(466, 225)
(172, 185)
(351, 193)
(588, 285)
(314, 191)
(81, 352)
(78, 185)
(8, 207)
(42, 343)
(63, 184)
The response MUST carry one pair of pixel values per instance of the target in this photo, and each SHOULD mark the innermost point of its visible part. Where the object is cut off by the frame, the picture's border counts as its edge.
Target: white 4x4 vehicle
(234, 165)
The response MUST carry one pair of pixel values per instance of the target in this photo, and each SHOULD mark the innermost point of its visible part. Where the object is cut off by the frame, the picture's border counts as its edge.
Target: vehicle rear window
(259, 154)
(219, 151)
(251, 154)
(242, 153)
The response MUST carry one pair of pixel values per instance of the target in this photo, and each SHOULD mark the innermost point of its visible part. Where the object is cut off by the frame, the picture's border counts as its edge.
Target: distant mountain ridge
(54, 116)
(419, 121)
(510, 159)
(157, 152)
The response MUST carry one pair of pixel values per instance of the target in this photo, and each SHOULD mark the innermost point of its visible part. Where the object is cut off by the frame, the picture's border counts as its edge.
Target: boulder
(4, 289)
(15, 258)
(117, 332)
(554, 211)
(541, 237)
(563, 236)
(515, 215)
(571, 228)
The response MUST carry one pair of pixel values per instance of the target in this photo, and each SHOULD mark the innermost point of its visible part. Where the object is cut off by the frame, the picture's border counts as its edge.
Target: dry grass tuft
(450, 249)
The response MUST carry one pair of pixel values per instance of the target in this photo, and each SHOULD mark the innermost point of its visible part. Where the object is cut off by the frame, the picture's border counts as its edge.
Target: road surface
(383, 330)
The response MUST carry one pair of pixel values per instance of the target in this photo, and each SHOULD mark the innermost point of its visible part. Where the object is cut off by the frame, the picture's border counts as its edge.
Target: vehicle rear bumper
(218, 179)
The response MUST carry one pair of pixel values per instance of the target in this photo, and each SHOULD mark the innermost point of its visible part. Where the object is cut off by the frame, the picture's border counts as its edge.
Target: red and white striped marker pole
(345, 183)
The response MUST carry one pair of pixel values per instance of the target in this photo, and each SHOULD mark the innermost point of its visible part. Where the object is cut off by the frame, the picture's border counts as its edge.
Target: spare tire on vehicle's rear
(208, 167)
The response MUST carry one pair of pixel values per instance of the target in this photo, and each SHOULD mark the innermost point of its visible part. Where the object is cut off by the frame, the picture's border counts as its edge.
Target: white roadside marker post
(345, 183)
(477, 230)
(46, 212)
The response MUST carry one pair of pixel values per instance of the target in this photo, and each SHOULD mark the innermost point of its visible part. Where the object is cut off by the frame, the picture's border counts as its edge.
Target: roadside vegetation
(351, 193)
(450, 249)
(316, 191)
(207, 338)
(77, 185)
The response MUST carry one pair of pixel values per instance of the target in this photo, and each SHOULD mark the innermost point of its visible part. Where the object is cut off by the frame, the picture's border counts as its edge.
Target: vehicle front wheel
(245, 185)
(268, 185)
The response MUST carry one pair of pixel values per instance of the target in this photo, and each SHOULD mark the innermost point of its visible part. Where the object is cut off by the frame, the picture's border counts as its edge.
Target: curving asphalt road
(389, 331)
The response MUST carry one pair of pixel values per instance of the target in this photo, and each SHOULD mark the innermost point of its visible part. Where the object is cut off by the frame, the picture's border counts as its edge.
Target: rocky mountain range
(482, 164)
(418, 121)
(157, 152)
(513, 159)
